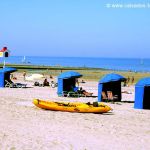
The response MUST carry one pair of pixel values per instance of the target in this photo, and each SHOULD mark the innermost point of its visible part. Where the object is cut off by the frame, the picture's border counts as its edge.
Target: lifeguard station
(5, 71)
(4, 52)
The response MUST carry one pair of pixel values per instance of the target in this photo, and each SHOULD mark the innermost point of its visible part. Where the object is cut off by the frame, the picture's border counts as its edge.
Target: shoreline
(113, 64)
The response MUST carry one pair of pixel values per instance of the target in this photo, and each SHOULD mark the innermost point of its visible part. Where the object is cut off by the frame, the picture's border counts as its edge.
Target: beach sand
(26, 127)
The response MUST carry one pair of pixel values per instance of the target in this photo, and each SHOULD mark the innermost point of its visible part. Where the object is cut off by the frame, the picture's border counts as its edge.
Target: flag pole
(4, 63)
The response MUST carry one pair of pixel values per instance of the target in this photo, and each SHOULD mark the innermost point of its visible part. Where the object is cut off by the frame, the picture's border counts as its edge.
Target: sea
(119, 64)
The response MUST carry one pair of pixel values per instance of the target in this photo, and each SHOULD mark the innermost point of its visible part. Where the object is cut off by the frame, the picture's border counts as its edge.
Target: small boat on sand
(95, 107)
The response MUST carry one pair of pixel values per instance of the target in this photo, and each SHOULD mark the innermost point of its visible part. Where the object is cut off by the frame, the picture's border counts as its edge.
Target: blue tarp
(111, 77)
(110, 82)
(69, 74)
(7, 69)
(143, 82)
(66, 80)
(140, 92)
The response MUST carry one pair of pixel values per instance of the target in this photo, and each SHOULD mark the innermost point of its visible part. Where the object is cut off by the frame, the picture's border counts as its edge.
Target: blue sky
(75, 28)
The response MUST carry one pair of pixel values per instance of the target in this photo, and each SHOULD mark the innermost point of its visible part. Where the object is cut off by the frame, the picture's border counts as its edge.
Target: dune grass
(91, 74)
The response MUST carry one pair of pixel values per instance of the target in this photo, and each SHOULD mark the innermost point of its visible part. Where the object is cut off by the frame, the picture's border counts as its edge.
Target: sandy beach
(26, 127)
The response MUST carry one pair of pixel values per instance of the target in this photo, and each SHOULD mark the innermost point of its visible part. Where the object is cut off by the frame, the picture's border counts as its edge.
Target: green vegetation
(96, 75)
(93, 74)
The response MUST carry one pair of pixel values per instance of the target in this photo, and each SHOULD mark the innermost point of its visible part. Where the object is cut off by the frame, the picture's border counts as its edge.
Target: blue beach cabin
(142, 94)
(110, 82)
(5, 75)
(66, 81)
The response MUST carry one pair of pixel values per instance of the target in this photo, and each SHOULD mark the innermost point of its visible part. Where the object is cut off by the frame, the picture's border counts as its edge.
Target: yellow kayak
(96, 107)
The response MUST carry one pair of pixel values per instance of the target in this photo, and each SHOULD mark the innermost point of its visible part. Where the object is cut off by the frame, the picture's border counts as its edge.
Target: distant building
(4, 52)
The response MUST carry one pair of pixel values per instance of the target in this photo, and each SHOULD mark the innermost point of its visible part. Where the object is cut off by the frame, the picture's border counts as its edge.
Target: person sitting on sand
(85, 93)
(82, 81)
(51, 77)
(24, 75)
(12, 77)
(126, 92)
(45, 83)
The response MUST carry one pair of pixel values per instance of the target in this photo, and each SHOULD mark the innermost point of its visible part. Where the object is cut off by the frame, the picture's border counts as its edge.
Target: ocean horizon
(124, 64)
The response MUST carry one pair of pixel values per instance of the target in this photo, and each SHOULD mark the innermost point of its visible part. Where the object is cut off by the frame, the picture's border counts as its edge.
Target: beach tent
(110, 82)
(5, 75)
(142, 94)
(66, 80)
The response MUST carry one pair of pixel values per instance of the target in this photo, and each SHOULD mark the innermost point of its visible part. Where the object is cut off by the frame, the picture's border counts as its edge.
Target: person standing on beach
(77, 82)
(125, 83)
(24, 75)
(128, 80)
(132, 80)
